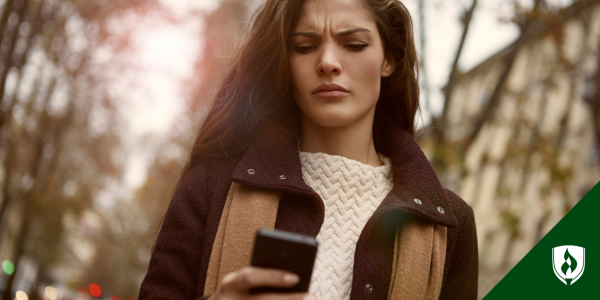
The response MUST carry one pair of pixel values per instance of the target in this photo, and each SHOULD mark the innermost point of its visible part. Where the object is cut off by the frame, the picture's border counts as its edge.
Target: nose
(328, 62)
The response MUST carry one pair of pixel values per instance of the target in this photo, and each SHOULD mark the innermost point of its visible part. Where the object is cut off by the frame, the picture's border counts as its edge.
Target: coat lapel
(419, 247)
(246, 210)
(419, 255)
(272, 165)
(274, 155)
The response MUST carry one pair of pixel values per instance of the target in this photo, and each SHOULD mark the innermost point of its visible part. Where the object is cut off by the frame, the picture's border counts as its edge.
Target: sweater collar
(273, 161)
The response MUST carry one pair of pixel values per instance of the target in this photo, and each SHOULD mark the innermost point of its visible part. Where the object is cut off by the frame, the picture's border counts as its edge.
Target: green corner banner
(565, 264)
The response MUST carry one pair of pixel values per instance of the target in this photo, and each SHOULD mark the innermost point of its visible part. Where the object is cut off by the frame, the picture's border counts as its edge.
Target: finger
(250, 277)
(280, 296)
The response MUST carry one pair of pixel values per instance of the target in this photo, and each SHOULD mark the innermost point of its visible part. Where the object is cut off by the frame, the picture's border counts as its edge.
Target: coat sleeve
(462, 279)
(175, 262)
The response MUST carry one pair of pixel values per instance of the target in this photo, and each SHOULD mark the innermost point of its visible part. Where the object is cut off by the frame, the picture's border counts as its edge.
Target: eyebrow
(339, 34)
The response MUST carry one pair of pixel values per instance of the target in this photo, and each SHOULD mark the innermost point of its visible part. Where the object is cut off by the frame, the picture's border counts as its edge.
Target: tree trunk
(34, 293)
(468, 16)
(37, 22)
(8, 170)
(6, 11)
(9, 159)
(8, 61)
(27, 199)
(440, 123)
(423, 40)
(19, 250)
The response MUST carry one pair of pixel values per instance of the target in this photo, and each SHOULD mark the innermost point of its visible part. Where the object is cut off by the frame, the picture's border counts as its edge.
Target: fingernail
(309, 298)
(291, 278)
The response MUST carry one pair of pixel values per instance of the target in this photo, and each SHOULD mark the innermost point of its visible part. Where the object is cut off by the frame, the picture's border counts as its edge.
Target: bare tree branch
(14, 33)
(6, 11)
(422, 38)
(20, 246)
(466, 20)
(492, 103)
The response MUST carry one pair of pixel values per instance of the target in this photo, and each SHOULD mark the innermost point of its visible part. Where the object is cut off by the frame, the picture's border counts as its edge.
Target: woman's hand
(237, 285)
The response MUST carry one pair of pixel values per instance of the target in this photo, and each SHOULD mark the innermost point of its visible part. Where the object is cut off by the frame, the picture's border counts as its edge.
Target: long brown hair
(257, 89)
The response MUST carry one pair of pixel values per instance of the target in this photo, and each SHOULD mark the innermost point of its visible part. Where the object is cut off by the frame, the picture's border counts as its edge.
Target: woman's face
(337, 42)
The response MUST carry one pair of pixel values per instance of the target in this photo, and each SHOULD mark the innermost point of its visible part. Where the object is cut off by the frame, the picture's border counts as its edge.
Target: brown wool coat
(179, 264)
(419, 246)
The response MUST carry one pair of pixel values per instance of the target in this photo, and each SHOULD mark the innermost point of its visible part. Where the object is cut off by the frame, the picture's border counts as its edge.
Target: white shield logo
(568, 263)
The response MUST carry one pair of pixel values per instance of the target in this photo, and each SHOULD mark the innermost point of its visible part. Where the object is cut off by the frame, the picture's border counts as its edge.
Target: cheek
(299, 71)
(367, 72)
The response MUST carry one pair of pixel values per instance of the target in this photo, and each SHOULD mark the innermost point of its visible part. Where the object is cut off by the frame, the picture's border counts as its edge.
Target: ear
(389, 65)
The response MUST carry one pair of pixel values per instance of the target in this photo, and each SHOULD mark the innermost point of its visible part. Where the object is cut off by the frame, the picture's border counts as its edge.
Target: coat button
(418, 201)
(251, 171)
(282, 177)
(440, 209)
(369, 288)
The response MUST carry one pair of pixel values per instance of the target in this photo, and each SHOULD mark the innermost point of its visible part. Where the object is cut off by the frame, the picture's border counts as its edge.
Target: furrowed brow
(339, 34)
(306, 34)
(351, 31)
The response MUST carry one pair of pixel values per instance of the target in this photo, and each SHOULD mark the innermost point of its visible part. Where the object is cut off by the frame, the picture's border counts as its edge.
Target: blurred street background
(101, 100)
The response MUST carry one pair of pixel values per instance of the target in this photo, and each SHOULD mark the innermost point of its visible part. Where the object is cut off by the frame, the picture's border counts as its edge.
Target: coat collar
(272, 161)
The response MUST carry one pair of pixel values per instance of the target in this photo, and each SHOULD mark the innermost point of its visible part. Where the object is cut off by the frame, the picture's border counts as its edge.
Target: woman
(319, 108)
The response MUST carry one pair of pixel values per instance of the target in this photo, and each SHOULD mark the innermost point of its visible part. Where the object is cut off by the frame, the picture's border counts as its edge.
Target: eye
(357, 47)
(303, 49)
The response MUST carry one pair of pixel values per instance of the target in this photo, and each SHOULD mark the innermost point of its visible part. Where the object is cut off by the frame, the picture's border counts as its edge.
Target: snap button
(440, 209)
(251, 171)
(369, 288)
(418, 201)
(282, 177)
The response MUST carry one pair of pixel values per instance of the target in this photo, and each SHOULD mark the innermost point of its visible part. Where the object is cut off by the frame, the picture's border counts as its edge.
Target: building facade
(537, 155)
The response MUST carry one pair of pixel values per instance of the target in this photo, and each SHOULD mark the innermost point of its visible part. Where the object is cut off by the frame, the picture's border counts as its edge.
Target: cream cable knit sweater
(351, 191)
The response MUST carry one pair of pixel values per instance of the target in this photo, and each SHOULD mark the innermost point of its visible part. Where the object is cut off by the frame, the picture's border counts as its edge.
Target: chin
(333, 120)
(334, 123)
(335, 115)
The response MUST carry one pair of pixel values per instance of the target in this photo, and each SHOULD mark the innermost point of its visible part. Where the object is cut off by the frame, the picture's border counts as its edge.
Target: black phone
(287, 251)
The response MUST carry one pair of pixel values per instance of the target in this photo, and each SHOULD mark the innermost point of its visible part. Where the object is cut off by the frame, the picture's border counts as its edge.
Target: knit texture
(351, 192)
(179, 263)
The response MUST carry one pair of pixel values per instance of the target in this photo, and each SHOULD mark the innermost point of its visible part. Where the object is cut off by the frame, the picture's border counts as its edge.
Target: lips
(330, 90)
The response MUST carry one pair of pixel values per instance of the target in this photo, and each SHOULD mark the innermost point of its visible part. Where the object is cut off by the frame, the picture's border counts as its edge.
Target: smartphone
(287, 251)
